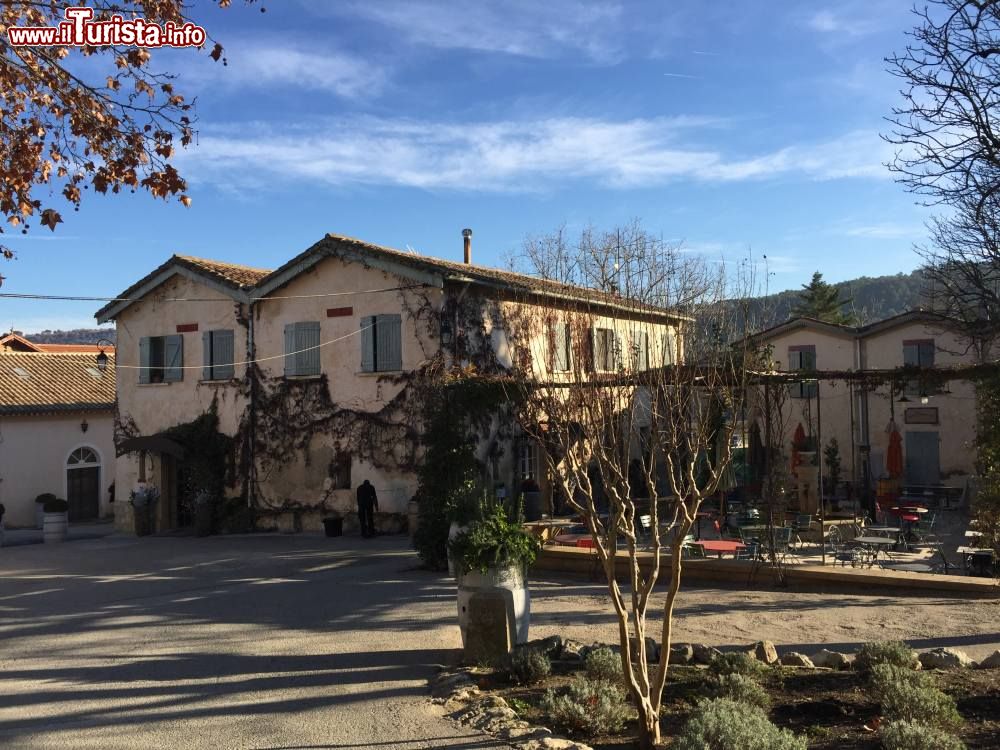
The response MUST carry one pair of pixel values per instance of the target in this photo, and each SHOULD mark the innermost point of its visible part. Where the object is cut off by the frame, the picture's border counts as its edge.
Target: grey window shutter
(595, 351)
(368, 344)
(173, 358)
(206, 355)
(307, 343)
(389, 356)
(144, 359)
(290, 363)
(223, 355)
(561, 344)
(668, 349)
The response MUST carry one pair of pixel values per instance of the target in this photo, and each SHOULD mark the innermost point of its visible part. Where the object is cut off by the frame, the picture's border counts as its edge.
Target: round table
(877, 544)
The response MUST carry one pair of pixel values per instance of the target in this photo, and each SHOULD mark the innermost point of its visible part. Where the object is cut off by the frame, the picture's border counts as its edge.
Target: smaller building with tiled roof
(40, 382)
(57, 423)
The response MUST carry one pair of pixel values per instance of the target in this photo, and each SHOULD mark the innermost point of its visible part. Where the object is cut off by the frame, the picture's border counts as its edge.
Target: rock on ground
(764, 651)
(991, 662)
(944, 658)
(831, 659)
(795, 659)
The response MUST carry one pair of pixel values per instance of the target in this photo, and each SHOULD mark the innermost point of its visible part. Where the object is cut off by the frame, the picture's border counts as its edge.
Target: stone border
(463, 701)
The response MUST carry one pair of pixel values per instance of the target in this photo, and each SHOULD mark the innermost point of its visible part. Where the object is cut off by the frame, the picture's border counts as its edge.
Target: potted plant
(55, 520)
(143, 500)
(40, 507)
(204, 511)
(532, 499)
(493, 554)
(831, 456)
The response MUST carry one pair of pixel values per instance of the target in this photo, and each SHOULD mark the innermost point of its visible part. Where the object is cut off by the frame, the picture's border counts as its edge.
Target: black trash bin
(334, 526)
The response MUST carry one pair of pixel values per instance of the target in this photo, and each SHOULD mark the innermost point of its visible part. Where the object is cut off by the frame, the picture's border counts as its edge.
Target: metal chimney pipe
(467, 237)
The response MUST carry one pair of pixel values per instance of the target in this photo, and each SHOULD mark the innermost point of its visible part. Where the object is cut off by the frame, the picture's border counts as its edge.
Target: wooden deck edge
(583, 562)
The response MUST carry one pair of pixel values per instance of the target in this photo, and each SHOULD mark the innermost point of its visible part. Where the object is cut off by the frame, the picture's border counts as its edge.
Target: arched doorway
(83, 484)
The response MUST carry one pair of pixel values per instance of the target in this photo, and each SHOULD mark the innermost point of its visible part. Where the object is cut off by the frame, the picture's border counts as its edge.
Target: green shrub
(885, 677)
(604, 664)
(528, 666)
(724, 724)
(742, 689)
(738, 663)
(886, 652)
(588, 707)
(45, 497)
(911, 696)
(912, 735)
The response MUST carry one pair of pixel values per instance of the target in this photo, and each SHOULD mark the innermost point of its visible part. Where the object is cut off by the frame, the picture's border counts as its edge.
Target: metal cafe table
(876, 545)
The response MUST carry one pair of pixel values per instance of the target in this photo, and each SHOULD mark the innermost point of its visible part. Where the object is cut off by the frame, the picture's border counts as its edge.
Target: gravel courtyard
(302, 641)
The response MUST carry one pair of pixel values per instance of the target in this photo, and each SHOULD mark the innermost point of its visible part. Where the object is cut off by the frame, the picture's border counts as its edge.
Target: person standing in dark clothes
(367, 505)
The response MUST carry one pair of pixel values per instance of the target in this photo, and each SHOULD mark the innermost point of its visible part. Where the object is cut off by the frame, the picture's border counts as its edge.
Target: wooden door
(83, 493)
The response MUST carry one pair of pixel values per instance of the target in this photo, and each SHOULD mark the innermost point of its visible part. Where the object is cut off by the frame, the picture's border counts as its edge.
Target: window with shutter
(669, 345)
(290, 361)
(604, 349)
(302, 342)
(218, 348)
(641, 351)
(161, 359)
(802, 358)
(381, 343)
(173, 358)
(561, 345)
(917, 354)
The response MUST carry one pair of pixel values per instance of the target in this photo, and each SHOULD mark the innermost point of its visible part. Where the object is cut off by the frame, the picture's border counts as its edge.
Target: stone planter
(55, 527)
(39, 515)
(512, 581)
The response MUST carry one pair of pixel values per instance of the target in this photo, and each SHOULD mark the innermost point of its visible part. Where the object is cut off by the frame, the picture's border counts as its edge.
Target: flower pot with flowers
(143, 500)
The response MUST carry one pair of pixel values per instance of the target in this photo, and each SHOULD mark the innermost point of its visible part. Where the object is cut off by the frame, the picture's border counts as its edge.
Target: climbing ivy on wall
(986, 508)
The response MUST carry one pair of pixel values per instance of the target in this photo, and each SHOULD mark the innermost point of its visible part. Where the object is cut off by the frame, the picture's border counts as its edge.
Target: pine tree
(821, 301)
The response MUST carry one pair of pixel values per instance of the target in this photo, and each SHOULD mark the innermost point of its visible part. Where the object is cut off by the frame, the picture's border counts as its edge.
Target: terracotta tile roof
(16, 343)
(75, 348)
(35, 383)
(517, 283)
(231, 273)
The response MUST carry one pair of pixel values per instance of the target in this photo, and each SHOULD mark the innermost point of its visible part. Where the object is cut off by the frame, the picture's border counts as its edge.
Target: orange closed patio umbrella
(797, 439)
(894, 456)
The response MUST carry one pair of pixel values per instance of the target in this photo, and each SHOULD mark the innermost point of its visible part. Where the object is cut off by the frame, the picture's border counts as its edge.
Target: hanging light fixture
(446, 331)
(102, 357)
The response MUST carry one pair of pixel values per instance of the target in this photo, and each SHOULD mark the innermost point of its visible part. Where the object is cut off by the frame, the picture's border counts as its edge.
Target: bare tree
(640, 406)
(947, 129)
(962, 272)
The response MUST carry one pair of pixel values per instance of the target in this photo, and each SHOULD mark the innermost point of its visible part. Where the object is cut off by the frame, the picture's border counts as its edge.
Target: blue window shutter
(223, 355)
(206, 355)
(144, 359)
(290, 362)
(173, 358)
(389, 341)
(307, 343)
(368, 344)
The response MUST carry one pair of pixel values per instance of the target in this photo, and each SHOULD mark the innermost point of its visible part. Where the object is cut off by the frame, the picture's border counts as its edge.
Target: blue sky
(728, 126)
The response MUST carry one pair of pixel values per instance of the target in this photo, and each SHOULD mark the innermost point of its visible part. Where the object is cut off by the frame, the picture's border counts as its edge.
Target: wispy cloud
(252, 65)
(516, 27)
(887, 231)
(512, 156)
(681, 75)
(851, 18)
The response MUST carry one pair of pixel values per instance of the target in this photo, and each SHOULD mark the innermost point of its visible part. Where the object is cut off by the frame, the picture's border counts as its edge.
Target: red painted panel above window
(187, 327)
(339, 312)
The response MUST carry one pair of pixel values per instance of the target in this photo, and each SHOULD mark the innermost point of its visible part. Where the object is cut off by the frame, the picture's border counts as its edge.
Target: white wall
(33, 453)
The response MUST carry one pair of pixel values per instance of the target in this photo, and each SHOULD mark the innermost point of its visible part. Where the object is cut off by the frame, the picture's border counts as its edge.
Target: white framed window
(527, 461)
(381, 343)
(218, 355)
(302, 349)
